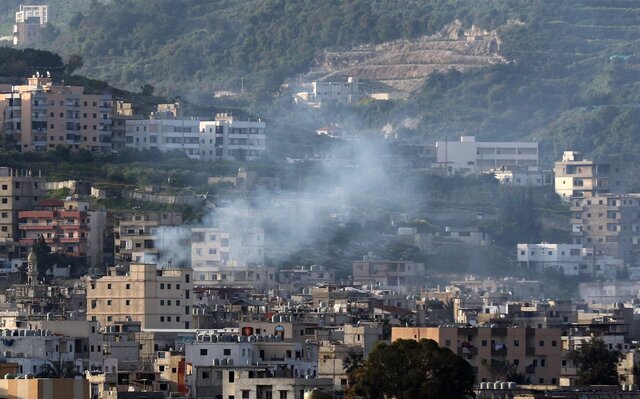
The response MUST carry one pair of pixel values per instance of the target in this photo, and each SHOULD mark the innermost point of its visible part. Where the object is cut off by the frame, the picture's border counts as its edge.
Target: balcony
(500, 351)
(468, 351)
(35, 226)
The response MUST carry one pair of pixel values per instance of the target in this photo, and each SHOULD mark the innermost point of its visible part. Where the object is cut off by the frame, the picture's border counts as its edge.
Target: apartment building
(531, 176)
(136, 235)
(41, 115)
(608, 224)
(576, 176)
(232, 244)
(29, 21)
(535, 352)
(227, 138)
(469, 156)
(158, 298)
(62, 228)
(122, 112)
(164, 134)
(348, 90)
(230, 254)
(19, 191)
(295, 280)
(566, 258)
(69, 227)
(400, 275)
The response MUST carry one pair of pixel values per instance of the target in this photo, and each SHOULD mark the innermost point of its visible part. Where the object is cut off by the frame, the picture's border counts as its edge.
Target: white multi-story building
(165, 135)
(227, 245)
(224, 254)
(229, 139)
(567, 258)
(522, 177)
(29, 20)
(345, 91)
(469, 156)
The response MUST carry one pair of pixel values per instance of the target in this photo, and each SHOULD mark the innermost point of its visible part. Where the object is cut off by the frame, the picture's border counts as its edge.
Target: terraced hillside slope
(404, 65)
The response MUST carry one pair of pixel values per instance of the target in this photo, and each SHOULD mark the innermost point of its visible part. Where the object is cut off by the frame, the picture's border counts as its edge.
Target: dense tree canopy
(596, 363)
(407, 369)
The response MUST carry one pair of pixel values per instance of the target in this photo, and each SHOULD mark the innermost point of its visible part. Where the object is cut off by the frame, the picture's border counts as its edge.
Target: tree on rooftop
(596, 363)
(43, 253)
(410, 369)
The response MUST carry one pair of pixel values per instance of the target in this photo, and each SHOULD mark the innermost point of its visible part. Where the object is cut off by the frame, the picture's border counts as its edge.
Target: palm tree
(59, 369)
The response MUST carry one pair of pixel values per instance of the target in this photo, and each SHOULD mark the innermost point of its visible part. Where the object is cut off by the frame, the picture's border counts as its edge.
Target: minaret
(32, 269)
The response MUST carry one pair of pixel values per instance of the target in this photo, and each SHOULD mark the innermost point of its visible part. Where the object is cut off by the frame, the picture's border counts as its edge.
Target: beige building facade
(19, 191)
(536, 353)
(41, 115)
(576, 176)
(158, 298)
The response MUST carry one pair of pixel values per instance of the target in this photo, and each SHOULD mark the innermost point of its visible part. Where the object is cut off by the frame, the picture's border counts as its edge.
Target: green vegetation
(409, 369)
(596, 363)
(48, 258)
(185, 44)
(190, 214)
(571, 83)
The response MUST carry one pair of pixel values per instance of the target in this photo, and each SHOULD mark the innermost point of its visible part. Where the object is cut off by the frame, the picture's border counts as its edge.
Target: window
(541, 343)
(108, 302)
(127, 302)
(554, 343)
(516, 342)
(283, 394)
(226, 352)
(203, 352)
(162, 286)
(108, 286)
(162, 319)
(245, 394)
(232, 376)
(128, 286)
(205, 375)
(484, 342)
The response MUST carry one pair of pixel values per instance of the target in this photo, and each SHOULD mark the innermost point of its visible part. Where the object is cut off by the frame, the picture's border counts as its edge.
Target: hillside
(180, 45)
(573, 83)
(405, 64)
(571, 80)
